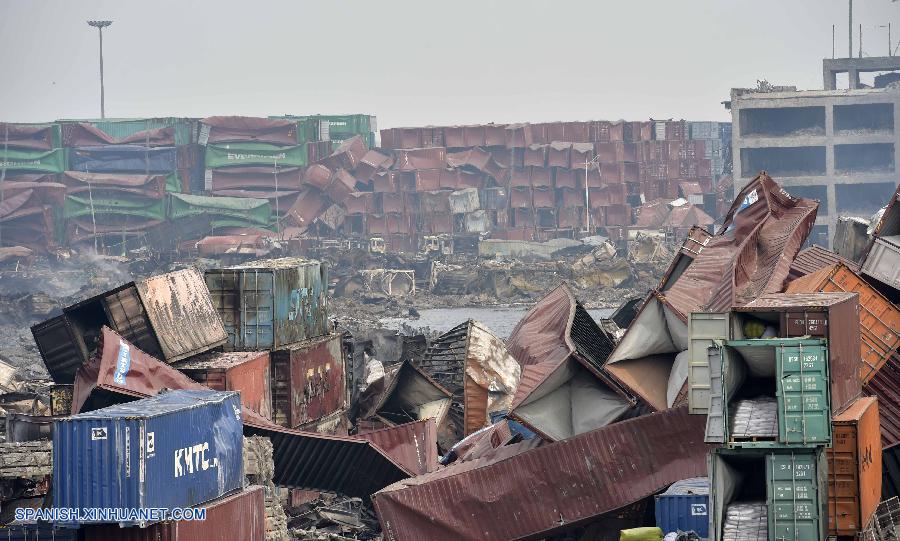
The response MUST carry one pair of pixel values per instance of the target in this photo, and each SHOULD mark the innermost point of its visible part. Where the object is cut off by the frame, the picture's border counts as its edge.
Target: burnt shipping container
(239, 516)
(308, 381)
(169, 316)
(854, 468)
(270, 304)
(176, 449)
(247, 372)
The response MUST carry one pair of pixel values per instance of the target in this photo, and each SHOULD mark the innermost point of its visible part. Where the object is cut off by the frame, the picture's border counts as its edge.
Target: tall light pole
(100, 25)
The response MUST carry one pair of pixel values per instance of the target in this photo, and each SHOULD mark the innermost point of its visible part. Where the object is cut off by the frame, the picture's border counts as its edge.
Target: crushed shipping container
(302, 459)
(246, 372)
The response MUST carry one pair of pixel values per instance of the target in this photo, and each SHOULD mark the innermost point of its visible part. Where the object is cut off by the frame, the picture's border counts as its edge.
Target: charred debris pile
(751, 394)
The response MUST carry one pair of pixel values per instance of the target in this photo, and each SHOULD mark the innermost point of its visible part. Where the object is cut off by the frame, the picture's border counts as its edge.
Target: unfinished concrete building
(837, 146)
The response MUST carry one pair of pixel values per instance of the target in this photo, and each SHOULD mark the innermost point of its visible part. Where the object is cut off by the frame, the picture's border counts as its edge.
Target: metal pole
(850, 30)
(102, 97)
(832, 42)
(889, 39)
(587, 200)
(860, 40)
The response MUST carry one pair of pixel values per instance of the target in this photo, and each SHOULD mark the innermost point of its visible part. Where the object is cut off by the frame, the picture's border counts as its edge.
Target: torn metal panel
(409, 395)
(152, 186)
(412, 445)
(513, 494)
(310, 204)
(815, 258)
(563, 390)
(348, 154)
(372, 162)
(412, 159)
(750, 256)
(464, 201)
(391, 282)
(254, 178)
(304, 460)
(473, 364)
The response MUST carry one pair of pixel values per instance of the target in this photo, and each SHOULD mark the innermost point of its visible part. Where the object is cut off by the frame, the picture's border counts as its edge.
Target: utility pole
(100, 25)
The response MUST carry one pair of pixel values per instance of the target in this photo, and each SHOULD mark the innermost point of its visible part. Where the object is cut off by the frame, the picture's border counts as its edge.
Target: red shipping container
(626, 152)
(438, 222)
(577, 132)
(308, 380)
(454, 136)
(239, 516)
(410, 138)
(605, 152)
(618, 215)
(469, 179)
(599, 131)
(541, 177)
(610, 173)
(359, 203)
(571, 217)
(543, 198)
(474, 136)
(494, 135)
(386, 181)
(565, 178)
(243, 371)
(594, 179)
(390, 203)
(520, 198)
(617, 131)
(629, 172)
(571, 198)
(535, 155)
(523, 219)
(558, 154)
(520, 178)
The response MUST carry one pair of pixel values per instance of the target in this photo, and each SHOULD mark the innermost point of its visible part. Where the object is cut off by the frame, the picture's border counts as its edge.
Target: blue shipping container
(123, 159)
(176, 449)
(685, 507)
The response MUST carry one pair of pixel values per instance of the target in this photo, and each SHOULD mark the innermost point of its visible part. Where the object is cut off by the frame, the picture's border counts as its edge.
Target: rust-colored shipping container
(239, 516)
(854, 468)
(879, 320)
(308, 381)
(244, 371)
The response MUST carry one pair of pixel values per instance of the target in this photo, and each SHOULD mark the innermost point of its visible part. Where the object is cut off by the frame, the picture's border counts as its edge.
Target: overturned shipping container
(272, 303)
(169, 316)
(121, 457)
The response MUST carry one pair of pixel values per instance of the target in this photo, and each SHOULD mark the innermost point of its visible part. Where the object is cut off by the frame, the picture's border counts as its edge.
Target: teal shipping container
(270, 304)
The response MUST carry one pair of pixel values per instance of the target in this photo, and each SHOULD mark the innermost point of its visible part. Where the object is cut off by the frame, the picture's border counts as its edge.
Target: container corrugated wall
(241, 516)
(308, 381)
(176, 449)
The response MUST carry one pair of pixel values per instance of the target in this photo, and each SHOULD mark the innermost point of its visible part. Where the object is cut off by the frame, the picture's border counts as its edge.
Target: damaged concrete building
(836, 146)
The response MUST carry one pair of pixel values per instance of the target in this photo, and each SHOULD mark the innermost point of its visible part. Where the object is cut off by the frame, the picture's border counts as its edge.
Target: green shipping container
(788, 486)
(44, 161)
(185, 128)
(254, 154)
(794, 370)
(233, 209)
(78, 207)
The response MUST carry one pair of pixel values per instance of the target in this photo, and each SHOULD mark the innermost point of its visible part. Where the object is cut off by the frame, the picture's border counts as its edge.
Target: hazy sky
(411, 62)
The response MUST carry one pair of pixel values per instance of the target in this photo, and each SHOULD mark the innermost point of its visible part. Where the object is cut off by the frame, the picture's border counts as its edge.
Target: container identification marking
(123, 363)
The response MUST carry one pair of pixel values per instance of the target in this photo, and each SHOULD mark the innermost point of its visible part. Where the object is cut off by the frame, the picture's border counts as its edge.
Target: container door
(717, 416)
(703, 328)
(793, 493)
(804, 415)
(716, 505)
(257, 309)
(224, 289)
